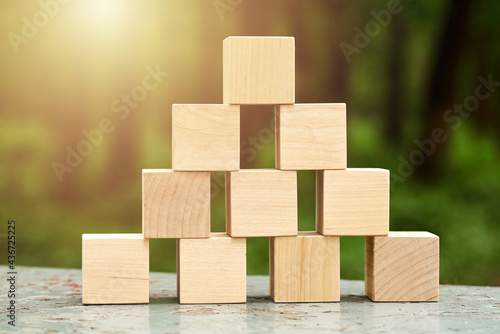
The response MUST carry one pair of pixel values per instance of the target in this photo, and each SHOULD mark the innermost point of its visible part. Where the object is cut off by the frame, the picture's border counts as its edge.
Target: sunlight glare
(105, 13)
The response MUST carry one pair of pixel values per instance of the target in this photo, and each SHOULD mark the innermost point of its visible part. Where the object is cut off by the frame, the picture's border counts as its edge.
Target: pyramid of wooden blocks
(403, 266)
(211, 270)
(304, 268)
(353, 201)
(311, 136)
(205, 137)
(261, 202)
(115, 269)
(259, 70)
(175, 204)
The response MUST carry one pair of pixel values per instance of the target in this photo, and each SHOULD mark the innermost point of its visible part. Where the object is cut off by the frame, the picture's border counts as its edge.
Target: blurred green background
(399, 66)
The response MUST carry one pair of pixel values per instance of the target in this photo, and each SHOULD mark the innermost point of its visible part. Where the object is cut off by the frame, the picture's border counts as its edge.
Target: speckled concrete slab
(49, 301)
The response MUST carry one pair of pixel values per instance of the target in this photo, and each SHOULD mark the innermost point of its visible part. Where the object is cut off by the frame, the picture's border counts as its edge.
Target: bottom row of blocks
(403, 266)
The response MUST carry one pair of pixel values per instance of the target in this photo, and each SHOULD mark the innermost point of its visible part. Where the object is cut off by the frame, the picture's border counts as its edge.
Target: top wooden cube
(259, 70)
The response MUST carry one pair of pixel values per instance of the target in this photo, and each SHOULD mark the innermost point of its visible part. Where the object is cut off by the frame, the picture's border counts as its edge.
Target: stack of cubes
(304, 266)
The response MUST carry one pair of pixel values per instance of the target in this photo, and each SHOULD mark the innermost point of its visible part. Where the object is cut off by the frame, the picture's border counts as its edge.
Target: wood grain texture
(115, 269)
(259, 70)
(354, 201)
(175, 204)
(211, 270)
(304, 268)
(311, 136)
(205, 137)
(402, 267)
(261, 202)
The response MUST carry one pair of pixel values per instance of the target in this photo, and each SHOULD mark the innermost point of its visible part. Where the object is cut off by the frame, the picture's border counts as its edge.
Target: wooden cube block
(402, 267)
(311, 136)
(304, 268)
(115, 269)
(175, 204)
(261, 202)
(259, 70)
(205, 137)
(211, 270)
(354, 201)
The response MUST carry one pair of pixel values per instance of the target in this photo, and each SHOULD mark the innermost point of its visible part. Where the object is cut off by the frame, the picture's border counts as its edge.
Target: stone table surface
(49, 301)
